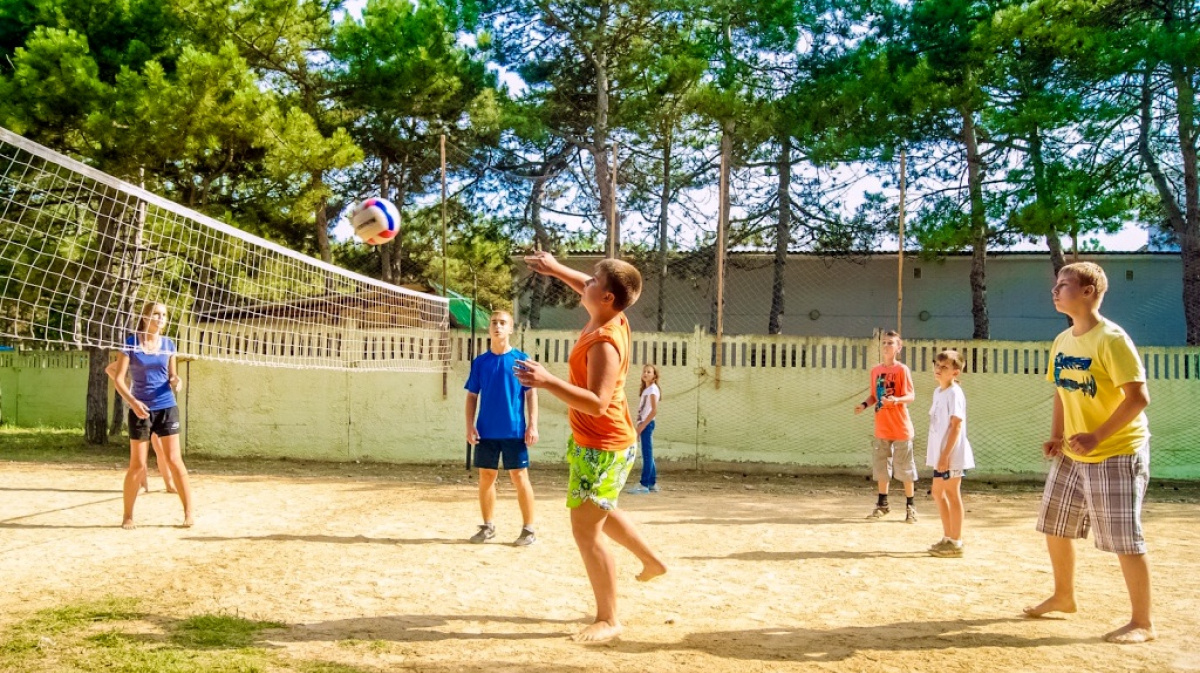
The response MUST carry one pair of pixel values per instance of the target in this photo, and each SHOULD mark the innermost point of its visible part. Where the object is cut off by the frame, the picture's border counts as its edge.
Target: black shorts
(489, 451)
(162, 422)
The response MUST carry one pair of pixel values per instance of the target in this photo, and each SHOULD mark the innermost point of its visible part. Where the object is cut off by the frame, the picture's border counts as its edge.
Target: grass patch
(115, 636)
(219, 631)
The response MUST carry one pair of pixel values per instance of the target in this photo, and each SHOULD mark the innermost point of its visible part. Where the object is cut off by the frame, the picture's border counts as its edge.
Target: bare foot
(187, 521)
(651, 570)
(599, 632)
(128, 524)
(1131, 634)
(171, 489)
(1052, 604)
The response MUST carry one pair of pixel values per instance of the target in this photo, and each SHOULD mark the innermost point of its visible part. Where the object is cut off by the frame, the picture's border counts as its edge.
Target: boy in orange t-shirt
(891, 393)
(603, 442)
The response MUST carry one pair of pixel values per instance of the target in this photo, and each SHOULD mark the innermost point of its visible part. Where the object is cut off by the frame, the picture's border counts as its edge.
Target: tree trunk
(1046, 205)
(664, 229)
(317, 182)
(537, 298)
(979, 230)
(102, 303)
(722, 243)
(783, 234)
(1185, 222)
(1189, 233)
(599, 146)
(385, 250)
(95, 427)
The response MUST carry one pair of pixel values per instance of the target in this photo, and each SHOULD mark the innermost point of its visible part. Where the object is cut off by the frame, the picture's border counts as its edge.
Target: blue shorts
(489, 451)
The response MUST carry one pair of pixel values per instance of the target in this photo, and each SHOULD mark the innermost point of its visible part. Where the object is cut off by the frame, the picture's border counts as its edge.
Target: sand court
(766, 574)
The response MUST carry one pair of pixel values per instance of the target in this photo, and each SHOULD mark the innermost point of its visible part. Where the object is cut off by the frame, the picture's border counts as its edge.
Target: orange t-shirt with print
(613, 429)
(892, 420)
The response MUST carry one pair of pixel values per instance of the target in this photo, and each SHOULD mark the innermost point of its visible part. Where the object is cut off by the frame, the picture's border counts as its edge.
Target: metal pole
(900, 275)
(445, 266)
(722, 225)
(614, 228)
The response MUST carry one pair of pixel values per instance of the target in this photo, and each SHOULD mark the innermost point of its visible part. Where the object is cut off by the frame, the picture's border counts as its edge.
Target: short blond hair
(1088, 273)
(953, 357)
(623, 280)
(501, 311)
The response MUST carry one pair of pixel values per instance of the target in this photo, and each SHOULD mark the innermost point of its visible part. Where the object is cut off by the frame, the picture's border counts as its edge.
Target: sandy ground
(773, 574)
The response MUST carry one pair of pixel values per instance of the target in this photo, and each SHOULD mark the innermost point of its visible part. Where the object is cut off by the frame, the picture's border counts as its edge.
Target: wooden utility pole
(900, 275)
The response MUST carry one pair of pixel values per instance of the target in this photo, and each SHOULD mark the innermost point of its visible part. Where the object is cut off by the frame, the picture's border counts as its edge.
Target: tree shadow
(834, 645)
(767, 520)
(32, 526)
(329, 539)
(417, 629)
(59, 490)
(809, 555)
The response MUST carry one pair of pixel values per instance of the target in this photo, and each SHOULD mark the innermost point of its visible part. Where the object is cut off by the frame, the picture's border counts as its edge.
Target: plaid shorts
(1106, 496)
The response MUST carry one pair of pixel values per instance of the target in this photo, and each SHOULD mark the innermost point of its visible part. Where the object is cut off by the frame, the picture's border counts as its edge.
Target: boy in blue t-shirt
(501, 430)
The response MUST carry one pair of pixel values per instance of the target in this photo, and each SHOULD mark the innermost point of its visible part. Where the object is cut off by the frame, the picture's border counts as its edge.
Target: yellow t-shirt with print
(1088, 372)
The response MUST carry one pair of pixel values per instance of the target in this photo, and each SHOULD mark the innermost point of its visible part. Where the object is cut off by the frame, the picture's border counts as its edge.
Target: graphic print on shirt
(885, 385)
(1063, 362)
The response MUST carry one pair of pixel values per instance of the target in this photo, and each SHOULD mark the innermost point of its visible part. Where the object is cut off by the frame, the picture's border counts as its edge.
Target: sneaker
(950, 550)
(878, 513)
(486, 532)
(526, 538)
(940, 544)
(910, 514)
(638, 490)
(654, 489)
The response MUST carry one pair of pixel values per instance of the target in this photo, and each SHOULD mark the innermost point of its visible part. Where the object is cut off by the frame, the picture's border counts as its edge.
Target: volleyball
(375, 221)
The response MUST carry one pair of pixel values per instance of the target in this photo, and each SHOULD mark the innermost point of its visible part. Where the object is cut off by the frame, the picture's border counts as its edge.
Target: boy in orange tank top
(603, 442)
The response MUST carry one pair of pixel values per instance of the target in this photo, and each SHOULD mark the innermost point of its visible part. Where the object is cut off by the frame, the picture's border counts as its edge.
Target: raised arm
(544, 263)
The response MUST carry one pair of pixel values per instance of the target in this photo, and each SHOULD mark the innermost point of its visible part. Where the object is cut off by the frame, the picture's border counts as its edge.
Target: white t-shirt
(644, 404)
(946, 403)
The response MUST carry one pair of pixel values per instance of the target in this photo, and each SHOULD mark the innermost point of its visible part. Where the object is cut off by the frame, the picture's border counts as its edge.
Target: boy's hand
(943, 466)
(1083, 443)
(472, 435)
(531, 436)
(176, 383)
(531, 373)
(539, 262)
(1052, 448)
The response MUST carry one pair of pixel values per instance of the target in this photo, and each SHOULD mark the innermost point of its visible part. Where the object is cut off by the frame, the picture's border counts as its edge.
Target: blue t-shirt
(151, 373)
(501, 395)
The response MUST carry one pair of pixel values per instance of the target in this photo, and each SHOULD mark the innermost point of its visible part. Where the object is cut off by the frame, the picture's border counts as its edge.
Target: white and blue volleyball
(375, 221)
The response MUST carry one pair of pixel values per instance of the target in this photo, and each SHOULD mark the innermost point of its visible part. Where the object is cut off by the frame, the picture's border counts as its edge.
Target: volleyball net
(81, 252)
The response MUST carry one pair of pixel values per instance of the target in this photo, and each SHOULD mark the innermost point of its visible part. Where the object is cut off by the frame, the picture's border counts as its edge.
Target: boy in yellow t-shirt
(1100, 447)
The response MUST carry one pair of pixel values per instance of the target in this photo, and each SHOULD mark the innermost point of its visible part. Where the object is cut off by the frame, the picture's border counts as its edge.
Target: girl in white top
(949, 451)
(647, 411)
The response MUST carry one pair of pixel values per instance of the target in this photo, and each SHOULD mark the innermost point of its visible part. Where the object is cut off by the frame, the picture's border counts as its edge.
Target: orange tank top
(613, 430)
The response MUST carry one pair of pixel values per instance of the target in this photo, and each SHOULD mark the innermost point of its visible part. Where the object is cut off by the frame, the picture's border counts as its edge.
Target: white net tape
(81, 252)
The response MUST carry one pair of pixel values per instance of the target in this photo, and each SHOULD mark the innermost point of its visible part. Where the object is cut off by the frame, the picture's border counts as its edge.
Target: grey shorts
(893, 458)
(1105, 496)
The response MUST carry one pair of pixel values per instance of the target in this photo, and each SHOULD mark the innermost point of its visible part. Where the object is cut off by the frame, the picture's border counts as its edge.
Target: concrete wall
(854, 297)
(43, 389)
(774, 403)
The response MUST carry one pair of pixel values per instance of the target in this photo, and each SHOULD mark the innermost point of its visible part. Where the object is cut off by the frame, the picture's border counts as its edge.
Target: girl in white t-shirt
(949, 451)
(647, 411)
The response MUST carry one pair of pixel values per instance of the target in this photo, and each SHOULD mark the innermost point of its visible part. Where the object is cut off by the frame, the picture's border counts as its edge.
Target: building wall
(851, 298)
